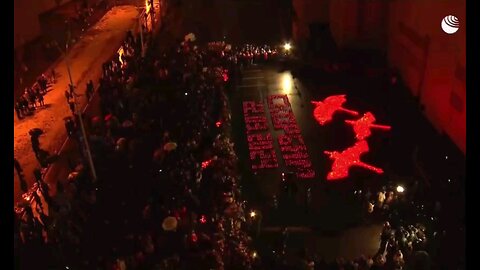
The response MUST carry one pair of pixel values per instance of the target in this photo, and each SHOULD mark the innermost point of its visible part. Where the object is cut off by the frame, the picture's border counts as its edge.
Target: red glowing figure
(324, 110)
(348, 158)
(362, 127)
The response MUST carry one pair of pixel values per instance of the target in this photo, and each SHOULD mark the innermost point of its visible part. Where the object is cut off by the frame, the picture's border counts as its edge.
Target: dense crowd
(191, 156)
(252, 54)
(32, 98)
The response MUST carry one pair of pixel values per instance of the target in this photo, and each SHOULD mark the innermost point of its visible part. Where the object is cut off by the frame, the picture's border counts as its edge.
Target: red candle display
(342, 161)
(292, 146)
(260, 145)
(362, 127)
(324, 110)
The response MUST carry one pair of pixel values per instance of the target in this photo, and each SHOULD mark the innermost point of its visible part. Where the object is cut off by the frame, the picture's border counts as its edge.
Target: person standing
(35, 144)
(43, 187)
(370, 207)
(18, 110)
(37, 90)
(90, 90)
(70, 126)
(42, 84)
(53, 76)
(21, 177)
(398, 260)
(67, 96)
(71, 89)
(380, 199)
(71, 104)
(32, 98)
(24, 106)
(41, 100)
(38, 176)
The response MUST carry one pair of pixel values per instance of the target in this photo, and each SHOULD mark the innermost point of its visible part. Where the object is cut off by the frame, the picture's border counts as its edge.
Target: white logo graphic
(450, 24)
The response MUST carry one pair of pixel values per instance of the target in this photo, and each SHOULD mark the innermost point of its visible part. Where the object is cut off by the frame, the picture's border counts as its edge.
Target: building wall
(307, 12)
(343, 21)
(26, 23)
(431, 62)
(359, 23)
(371, 22)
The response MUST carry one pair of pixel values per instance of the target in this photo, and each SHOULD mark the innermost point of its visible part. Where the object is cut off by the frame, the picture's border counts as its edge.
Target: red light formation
(260, 141)
(206, 163)
(203, 219)
(218, 124)
(324, 110)
(342, 161)
(362, 127)
(292, 146)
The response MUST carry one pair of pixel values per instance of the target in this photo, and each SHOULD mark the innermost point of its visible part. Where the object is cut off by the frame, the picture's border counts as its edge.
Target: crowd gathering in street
(193, 156)
(32, 99)
(167, 114)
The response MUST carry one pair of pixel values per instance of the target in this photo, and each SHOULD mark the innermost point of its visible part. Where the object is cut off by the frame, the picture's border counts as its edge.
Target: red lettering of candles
(262, 153)
(292, 146)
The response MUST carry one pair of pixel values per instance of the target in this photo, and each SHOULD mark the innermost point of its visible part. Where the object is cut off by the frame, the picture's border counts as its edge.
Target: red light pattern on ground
(324, 110)
(362, 127)
(260, 143)
(342, 161)
(292, 146)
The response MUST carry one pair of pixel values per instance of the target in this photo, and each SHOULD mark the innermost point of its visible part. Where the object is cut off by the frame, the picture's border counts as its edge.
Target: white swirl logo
(450, 24)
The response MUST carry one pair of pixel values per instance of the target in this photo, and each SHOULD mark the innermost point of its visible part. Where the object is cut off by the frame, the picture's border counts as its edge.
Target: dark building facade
(409, 33)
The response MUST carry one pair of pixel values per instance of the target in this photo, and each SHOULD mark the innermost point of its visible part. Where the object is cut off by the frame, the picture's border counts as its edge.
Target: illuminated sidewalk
(86, 58)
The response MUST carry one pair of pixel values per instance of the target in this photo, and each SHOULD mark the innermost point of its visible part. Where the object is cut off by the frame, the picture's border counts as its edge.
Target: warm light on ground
(287, 83)
(85, 62)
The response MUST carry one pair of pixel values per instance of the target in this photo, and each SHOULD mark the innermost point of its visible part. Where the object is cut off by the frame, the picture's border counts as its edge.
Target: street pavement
(348, 244)
(86, 59)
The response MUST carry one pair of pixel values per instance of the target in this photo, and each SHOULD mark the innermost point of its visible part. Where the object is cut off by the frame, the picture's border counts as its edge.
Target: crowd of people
(201, 212)
(251, 54)
(32, 98)
(400, 248)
